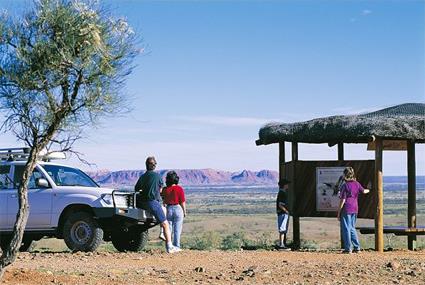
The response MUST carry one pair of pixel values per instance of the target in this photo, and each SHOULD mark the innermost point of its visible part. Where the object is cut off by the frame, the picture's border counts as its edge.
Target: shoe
(356, 250)
(346, 252)
(173, 249)
(282, 247)
(162, 236)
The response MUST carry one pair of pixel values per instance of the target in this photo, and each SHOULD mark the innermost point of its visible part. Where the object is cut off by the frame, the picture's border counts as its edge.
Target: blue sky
(215, 71)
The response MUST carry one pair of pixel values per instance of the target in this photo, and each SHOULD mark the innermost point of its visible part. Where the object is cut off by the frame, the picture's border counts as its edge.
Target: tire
(81, 232)
(134, 239)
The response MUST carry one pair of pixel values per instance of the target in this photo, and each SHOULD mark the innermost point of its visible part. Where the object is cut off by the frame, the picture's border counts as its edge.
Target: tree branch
(76, 87)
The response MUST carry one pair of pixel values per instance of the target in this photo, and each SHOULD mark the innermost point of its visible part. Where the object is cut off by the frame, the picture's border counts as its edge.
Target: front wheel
(132, 239)
(81, 232)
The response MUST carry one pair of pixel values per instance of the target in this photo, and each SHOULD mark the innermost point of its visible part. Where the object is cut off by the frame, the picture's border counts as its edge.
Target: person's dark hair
(171, 178)
(150, 163)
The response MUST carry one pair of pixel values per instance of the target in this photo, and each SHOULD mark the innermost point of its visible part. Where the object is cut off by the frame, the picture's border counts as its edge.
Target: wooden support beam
(340, 158)
(379, 216)
(294, 151)
(340, 151)
(295, 218)
(411, 193)
(281, 159)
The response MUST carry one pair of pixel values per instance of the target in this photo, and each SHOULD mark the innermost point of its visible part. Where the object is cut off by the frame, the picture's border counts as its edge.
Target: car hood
(95, 191)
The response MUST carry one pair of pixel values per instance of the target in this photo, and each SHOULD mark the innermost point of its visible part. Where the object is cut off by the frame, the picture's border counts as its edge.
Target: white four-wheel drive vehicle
(66, 203)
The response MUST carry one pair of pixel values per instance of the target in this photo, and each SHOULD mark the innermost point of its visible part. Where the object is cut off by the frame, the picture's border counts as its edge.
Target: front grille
(123, 199)
(130, 200)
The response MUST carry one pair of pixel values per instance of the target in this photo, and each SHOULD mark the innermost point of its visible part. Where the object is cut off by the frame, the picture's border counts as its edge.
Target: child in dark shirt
(282, 213)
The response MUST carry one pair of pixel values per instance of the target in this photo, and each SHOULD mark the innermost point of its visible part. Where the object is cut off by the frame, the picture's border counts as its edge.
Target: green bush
(233, 241)
(261, 241)
(205, 241)
(309, 244)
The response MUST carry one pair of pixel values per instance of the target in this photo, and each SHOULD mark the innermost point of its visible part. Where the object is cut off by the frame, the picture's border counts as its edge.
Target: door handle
(13, 195)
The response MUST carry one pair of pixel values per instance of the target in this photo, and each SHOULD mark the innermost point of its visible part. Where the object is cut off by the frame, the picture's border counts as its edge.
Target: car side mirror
(42, 183)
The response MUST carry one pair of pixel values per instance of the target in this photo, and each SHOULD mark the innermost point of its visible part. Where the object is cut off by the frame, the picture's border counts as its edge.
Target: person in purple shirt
(348, 209)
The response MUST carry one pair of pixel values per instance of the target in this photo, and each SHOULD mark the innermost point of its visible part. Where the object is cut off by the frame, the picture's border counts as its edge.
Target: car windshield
(68, 176)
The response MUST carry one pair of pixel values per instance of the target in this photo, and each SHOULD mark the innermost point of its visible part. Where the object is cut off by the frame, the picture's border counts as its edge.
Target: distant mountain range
(212, 177)
(190, 177)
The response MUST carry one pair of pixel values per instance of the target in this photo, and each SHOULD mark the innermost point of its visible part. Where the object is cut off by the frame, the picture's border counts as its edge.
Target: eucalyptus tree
(62, 67)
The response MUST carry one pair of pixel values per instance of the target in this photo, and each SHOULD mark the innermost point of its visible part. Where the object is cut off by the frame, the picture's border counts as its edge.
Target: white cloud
(233, 121)
(226, 120)
(366, 12)
(231, 155)
(363, 13)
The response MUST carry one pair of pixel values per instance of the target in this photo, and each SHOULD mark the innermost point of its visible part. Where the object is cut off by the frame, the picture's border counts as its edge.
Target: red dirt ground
(218, 267)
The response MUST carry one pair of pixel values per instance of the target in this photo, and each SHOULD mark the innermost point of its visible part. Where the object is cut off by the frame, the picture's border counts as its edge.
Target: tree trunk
(10, 253)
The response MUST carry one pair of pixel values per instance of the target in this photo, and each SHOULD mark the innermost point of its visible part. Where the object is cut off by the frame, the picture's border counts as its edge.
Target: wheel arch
(73, 208)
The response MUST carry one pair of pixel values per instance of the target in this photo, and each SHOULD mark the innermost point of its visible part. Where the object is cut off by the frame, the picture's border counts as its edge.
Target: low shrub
(204, 241)
(309, 244)
(234, 241)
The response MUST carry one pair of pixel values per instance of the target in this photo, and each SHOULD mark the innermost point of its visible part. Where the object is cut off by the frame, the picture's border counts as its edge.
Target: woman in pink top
(348, 209)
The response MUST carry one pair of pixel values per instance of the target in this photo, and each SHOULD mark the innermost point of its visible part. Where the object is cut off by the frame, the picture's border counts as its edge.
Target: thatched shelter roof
(401, 122)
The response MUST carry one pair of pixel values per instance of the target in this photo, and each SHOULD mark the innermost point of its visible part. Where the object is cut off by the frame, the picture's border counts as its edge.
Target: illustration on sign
(328, 180)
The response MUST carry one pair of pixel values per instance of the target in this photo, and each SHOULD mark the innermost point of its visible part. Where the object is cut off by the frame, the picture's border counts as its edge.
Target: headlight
(120, 201)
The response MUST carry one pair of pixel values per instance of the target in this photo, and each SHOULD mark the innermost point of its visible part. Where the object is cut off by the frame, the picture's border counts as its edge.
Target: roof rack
(22, 154)
(17, 153)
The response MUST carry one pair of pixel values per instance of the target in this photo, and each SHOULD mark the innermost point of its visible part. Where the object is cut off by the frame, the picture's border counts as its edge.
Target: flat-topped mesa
(191, 177)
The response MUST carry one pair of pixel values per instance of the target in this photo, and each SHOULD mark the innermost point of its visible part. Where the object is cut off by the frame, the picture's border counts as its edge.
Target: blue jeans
(155, 208)
(175, 218)
(348, 229)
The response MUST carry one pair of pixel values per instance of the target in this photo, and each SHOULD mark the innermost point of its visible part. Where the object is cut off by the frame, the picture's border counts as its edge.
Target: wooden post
(379, 216)
(340, 158)
(411, 198)
(281, 159)
(295, 218)
(340, 151)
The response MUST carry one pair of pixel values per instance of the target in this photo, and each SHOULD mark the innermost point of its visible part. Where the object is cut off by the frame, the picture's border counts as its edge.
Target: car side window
(19, 170)
(5, 180)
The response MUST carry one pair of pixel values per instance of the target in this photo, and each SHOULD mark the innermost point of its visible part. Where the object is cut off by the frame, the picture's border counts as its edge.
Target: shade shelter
(399, 127)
